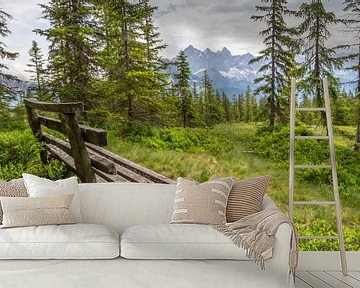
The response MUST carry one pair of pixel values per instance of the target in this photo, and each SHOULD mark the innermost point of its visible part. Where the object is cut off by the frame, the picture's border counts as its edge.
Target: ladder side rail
(334, 177)
(292, 148)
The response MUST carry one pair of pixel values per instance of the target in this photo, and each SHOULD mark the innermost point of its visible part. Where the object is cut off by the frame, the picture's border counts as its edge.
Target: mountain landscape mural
(232, 74)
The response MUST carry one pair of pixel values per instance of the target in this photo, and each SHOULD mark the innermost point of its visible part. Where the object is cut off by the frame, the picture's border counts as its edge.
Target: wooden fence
(82, 153)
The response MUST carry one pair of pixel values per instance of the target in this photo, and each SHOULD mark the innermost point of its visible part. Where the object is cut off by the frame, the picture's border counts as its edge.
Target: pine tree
(278, 57)
(241, 107)
(6, 93)
(248, 106)
(254, 107)
(320, 61)
(37, 69)
(209, 100)
(182, 87)
(131, 61)
(228, 115)
(72, 50)
(352, 7)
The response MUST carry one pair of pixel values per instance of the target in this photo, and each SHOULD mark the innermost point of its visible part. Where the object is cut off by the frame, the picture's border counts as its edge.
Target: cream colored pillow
(203, 203)
(26, 211)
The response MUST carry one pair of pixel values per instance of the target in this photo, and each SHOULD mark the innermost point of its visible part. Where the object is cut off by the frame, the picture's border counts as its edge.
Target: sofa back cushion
(122, 205)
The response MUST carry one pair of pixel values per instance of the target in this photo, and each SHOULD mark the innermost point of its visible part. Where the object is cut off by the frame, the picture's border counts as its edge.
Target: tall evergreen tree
(131, 60)
(320, 60)
(182, 87)
(241, 107)
(278, 56)
(37, 69)
(6, 92)
(72, 50)
(352, 7)
(248, 106)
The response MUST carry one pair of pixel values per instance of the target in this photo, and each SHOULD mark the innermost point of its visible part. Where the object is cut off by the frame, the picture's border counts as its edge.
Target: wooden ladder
(330, 138)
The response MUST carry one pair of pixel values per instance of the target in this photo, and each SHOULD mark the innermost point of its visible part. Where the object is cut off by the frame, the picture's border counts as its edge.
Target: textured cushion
(73, 241)
(203, 203)
(246, 197)
(25, 211)
(182, 241)
(13, 188)
(42, 187)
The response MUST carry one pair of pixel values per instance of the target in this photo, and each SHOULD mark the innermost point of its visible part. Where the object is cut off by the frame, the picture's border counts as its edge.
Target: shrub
(180, 139)
(20, 153)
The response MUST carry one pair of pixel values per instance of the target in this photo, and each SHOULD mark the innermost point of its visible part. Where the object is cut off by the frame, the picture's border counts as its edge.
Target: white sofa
(119, 206)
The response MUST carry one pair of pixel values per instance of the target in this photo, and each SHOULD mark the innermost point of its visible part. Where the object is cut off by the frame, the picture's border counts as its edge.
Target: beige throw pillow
(13, 188)
(246, 197)
(203, 203)
(21, 211)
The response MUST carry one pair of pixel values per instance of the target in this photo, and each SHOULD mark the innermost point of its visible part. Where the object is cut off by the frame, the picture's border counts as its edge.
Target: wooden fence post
(78, 149)
(33, 119)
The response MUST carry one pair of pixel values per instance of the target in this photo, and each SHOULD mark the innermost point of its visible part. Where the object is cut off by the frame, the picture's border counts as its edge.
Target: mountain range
(231, 73)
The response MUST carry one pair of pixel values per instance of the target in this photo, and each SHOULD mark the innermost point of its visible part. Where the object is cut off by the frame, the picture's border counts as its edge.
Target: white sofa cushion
(42, 187)
(180, 241)
(74, 241)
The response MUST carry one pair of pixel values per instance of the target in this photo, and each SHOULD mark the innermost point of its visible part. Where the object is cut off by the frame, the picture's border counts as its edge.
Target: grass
(242, 161)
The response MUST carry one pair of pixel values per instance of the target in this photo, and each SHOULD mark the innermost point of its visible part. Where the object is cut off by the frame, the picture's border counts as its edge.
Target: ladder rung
(313, 166)
(310, 109)
(312, 137)
(314, 202)
(318, 237)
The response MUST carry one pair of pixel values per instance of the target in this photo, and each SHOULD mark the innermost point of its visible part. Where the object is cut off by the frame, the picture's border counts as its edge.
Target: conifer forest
(108, 54)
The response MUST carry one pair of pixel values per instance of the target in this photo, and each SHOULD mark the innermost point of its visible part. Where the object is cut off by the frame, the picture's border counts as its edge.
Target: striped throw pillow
(246, 197)
(203, 203)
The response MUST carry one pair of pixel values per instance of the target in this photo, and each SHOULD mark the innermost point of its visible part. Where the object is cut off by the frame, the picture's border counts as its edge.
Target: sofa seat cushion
(74, 241)
(180, 241)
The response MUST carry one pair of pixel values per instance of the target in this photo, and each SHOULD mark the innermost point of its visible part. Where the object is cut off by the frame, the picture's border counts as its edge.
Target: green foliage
(326, 228)
(198, 140)
(20, 153)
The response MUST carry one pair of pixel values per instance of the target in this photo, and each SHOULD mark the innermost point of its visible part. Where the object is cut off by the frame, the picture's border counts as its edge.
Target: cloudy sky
(203, 23)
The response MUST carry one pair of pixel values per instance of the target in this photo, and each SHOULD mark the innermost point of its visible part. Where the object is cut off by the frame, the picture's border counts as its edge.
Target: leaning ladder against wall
(330, 138)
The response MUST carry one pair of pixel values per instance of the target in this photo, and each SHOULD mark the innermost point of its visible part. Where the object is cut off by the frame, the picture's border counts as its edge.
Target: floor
(327, 279)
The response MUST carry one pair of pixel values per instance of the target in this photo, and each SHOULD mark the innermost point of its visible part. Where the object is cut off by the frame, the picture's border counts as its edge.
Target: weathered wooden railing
(83, 153)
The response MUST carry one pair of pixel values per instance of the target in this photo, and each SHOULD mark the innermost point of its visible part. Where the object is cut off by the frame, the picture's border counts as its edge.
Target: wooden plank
(355, 275)
(312, 280)
(147, 173)
(103, 164)
(97, 161)
(61, 156)
(345, 279)
(100, 179)
(301, 284)
(110, 177)
(130, 175)
(92, 135)
(69, 162)
(329, 279)
(78, 149)
(68, 108)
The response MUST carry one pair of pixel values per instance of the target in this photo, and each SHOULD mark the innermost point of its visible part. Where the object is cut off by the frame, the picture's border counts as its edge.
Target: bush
(20, 153)
(180, 139)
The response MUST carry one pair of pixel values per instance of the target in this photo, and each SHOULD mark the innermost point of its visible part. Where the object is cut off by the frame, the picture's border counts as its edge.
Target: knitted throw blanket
(256, 234)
